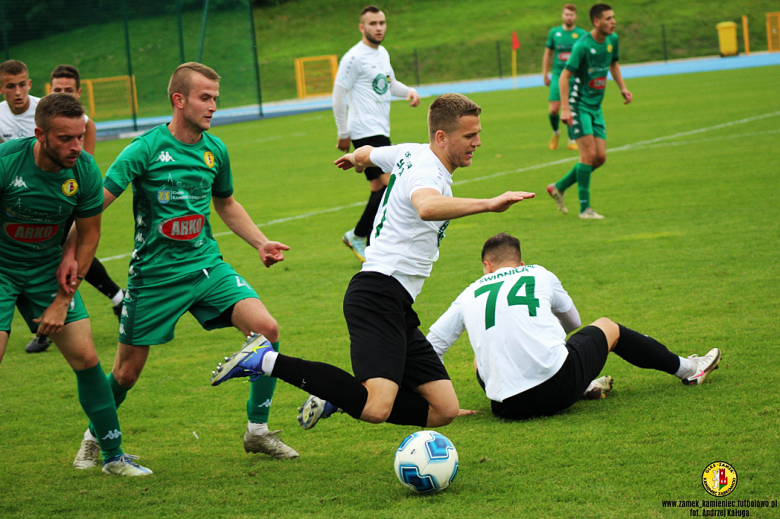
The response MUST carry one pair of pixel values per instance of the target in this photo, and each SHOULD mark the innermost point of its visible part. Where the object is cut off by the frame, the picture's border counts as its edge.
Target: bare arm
(236, 218)
(90, 137)
(546, 62)
(563, 86)
(53, 318)
(360, 159)
(614, 69)
(432, 206)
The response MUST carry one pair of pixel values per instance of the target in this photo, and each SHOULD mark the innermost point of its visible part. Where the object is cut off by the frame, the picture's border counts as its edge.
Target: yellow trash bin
(727, 38)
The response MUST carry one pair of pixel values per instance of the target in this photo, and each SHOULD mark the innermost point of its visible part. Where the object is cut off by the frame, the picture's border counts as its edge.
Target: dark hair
(12, 67)
(445, 113)
(66, 71)
(56, 105)
(181, 80)
(502, 246)
(369, 9)
(597, 10)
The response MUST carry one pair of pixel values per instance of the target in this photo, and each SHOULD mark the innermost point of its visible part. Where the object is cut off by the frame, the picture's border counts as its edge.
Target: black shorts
(377, 141)
(588, 350)
(384, 333)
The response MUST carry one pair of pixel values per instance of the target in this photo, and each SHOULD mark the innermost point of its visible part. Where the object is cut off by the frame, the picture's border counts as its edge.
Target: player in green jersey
(177, 170)
(582, 86)
(43, 180)
(560, 41)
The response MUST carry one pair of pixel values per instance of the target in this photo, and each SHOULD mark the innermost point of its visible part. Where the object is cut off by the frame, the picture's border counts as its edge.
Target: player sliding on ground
(517, 317)
(582, 84)
(398, 376)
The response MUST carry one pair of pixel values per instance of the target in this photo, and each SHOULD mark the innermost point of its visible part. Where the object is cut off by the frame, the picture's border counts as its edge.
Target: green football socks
(568, 180)
(554, 119)
(98, 403)
(119, 392)
(583, 183)
(258, 407)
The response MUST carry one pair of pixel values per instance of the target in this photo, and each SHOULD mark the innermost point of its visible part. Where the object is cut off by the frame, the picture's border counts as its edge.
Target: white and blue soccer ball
(426, 462)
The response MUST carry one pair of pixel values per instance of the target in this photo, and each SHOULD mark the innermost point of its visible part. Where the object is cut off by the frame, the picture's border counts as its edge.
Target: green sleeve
(615, 53)
(223, 183)
(90, 192)
(129, 165)
(573, 64)
(551, 39)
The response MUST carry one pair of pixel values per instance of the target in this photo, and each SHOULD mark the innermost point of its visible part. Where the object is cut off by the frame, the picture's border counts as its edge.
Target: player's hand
(53, 318)
(628, 96)
(343, 144)
(503, 202)
(346, 162)
(546, 80)
(272, 252)
(566, 117)
(66, 274)
(466, 412)
(413, 97)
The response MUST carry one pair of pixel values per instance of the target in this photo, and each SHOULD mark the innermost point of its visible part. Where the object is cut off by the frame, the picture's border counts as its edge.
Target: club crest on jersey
(70, 187)
(575, 35)
(31, 232)
(564, 56)
(208, 158)
(609, 47)
(381, 84)
(164, 196)
(600, 83)
(182, 228)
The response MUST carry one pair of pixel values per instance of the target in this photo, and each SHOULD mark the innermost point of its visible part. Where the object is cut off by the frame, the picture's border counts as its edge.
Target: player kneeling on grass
(517, 317)
(398, 378)
(43, 180)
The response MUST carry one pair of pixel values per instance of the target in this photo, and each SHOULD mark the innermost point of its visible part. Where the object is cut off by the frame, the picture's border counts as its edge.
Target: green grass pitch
(687, 253)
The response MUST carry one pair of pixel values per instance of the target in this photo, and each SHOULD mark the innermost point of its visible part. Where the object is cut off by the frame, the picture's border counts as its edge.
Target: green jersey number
(512, 298)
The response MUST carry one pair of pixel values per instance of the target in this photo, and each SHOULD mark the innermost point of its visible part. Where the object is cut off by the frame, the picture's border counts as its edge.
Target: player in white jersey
(366, 77)
(17, 111)
(398, 378)
(517, 317)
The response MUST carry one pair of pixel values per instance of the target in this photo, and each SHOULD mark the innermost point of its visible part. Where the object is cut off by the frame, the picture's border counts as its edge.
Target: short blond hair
(445, 113)
(570, 7)
(181, 80)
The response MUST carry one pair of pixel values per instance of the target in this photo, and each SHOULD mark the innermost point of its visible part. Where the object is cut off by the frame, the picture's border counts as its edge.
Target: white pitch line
(651, 143)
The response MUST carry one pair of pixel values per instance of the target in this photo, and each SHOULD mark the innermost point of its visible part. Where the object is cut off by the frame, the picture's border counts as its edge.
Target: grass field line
(634, 146)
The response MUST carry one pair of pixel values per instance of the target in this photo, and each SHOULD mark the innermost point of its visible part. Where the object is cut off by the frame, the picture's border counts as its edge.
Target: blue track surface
(115, 129)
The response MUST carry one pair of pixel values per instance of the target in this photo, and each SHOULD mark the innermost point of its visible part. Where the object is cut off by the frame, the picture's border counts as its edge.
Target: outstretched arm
(236, 218)
(360, 159)
(617, 75)
(432, 206)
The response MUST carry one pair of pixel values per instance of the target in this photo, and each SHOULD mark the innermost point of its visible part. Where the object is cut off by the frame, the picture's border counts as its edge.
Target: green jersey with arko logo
(589, 63)
(172, 187)
(36, 204)
(561, 41)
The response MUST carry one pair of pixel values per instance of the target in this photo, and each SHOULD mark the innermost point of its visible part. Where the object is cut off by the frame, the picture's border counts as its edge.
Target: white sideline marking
(651, 143)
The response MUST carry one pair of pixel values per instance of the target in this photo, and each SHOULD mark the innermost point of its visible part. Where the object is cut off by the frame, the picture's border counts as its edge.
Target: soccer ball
(426, 462)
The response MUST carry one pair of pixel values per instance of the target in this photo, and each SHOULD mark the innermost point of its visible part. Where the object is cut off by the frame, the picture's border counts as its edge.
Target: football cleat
(704, 366)
(247, 362)
(554, 141)
(268, 443)
(312, 409)
(558, 197)
(356, 243)
(599, 388)
(572, 145)
(125, 465)
(39, 344)
(590, 214)
(88, 455)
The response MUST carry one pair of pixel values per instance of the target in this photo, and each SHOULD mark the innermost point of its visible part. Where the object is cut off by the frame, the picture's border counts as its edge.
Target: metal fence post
(498, 56)
(129, 61)
(5, 32)
(663, 37)
(203, 29)
(181, 31)
(254, 54)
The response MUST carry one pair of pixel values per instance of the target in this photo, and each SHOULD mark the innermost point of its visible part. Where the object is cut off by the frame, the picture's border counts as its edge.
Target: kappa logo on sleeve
(182, 228)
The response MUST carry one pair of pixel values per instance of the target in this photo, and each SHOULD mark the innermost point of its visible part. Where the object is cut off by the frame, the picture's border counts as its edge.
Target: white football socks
(257, 428)
(269, 361)
(687, 368)
(118, 297)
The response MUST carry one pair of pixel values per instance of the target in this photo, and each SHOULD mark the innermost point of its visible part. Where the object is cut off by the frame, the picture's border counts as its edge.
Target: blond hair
(181, 80)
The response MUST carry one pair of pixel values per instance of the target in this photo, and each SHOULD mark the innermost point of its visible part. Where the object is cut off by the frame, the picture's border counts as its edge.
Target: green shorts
(555, 90)
(150, 312)
(32, 290)
(587, 121)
